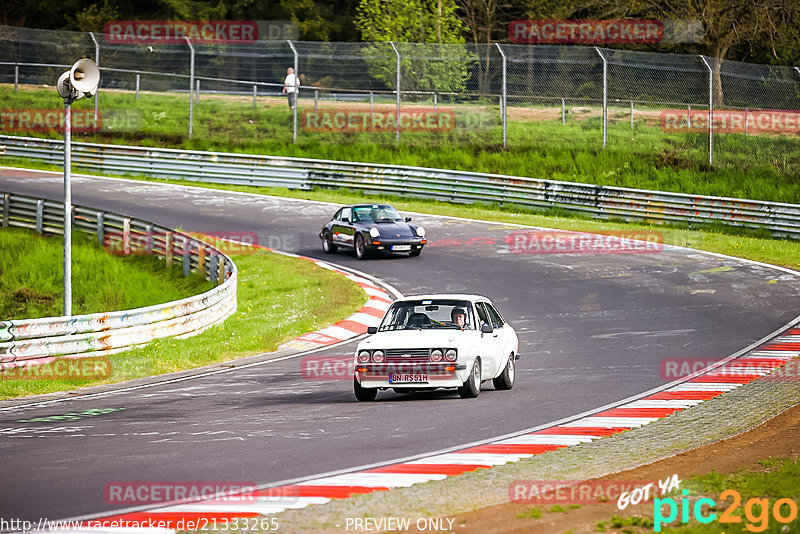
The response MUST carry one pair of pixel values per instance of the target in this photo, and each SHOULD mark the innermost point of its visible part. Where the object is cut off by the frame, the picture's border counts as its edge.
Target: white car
(437, 341)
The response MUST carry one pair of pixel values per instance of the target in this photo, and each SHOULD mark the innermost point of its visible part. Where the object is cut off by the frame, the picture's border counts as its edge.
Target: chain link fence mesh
(448, 94)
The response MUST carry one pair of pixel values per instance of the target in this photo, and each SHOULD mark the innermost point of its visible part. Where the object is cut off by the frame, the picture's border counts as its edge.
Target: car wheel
(361, 248)
(472, 385)
(364, 394)
(327, 243)
(506, 378)
(415, 252)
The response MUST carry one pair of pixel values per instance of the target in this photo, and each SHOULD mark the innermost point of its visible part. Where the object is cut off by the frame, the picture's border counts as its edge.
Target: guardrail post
(16, 78)
(187, 263)
(191, 85)
(220, 269)
(97, 62)
(137, 86)
(201, 259)
(212, 268)
(605, 97)
(6, 209)
(710, 110)
(397, 118)
(168, 248)
(296, 93)
(148, 240)
(504, 97)
(39, 216)
(101, 229)
(126, 236)
(255, 95)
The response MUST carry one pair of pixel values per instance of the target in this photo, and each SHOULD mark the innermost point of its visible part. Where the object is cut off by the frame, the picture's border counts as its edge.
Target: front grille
(406, 355)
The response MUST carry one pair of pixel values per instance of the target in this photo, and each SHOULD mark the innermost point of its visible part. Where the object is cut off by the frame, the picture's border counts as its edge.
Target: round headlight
(377, 356)
(363, 356)
(436, 355)
(374, 232)
(450, 355)
(420, 231)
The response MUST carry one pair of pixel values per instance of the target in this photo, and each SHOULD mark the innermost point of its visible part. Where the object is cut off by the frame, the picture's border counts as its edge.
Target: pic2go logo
(756, 511)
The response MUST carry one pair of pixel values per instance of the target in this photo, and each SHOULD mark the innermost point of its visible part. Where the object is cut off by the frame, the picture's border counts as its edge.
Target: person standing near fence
(290, 84)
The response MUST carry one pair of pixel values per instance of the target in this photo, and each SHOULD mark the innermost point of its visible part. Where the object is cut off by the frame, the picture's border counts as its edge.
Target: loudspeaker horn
(85, 76)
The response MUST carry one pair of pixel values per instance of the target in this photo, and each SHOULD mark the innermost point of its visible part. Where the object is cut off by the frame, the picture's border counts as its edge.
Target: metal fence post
(255, 94)
(434, 102)
(197, 92)
(137, 86)
(746, 121)
(101, 228)
(97, 62)
(631, 114)
(371, 104)
(296, 93)
(504, 98)
(710, 110)
(39, 216)
(16, 78)
(397, 126)
(605, 97)
(563, 112)
(191, 85)
(316, 99)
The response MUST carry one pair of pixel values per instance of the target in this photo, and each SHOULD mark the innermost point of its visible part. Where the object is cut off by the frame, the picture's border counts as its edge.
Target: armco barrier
(28, 340)
(452, 186)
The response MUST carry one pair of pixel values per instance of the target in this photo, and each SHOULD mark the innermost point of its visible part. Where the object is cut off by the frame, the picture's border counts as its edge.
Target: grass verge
(756, 166)
(279, 298)
(31, 267)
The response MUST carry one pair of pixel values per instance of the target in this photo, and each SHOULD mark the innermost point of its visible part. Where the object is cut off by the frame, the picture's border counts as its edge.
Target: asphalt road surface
(594, 329)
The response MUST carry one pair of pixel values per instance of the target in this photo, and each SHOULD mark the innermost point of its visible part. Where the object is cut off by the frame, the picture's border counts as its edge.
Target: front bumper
(437, 374)
(388, 244)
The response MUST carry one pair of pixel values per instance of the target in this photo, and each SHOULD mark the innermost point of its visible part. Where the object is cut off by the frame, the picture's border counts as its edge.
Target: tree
(438, 65)
(486, 20)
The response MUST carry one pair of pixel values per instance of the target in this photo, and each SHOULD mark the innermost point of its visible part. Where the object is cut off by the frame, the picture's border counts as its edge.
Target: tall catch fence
(546, 97)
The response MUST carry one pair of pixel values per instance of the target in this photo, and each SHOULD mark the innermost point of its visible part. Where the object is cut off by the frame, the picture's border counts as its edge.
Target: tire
(360, 247)
(364, 394)
(472, 385)
(327, 243)
(506, 379)
(415, 252)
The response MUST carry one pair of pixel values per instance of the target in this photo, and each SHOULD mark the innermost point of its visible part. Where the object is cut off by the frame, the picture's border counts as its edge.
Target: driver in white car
(459, 317)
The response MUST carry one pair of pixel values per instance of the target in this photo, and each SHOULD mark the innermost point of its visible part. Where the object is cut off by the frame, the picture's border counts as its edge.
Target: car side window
(497, 321)
(345, 214)
(482, 313)
(338, 216)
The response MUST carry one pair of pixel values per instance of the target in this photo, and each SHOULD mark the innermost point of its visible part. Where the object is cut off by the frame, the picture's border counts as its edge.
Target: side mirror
(372, 330)
(408, 219)
(486, 328)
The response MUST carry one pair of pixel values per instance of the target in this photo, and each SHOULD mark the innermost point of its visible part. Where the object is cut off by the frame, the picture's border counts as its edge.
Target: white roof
(443, 296)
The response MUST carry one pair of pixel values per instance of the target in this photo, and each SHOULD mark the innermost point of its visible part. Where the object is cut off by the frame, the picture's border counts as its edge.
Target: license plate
(401, 247)
(395, 379)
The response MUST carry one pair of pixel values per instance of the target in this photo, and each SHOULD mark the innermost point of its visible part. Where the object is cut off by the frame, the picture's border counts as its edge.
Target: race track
(594, 329)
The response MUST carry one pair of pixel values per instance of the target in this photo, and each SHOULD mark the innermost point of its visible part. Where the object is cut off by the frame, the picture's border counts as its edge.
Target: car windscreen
(377, 213)
(429, 314)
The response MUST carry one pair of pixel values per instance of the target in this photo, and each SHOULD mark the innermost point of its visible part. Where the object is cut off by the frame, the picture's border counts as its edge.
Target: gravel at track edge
(727, 415)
